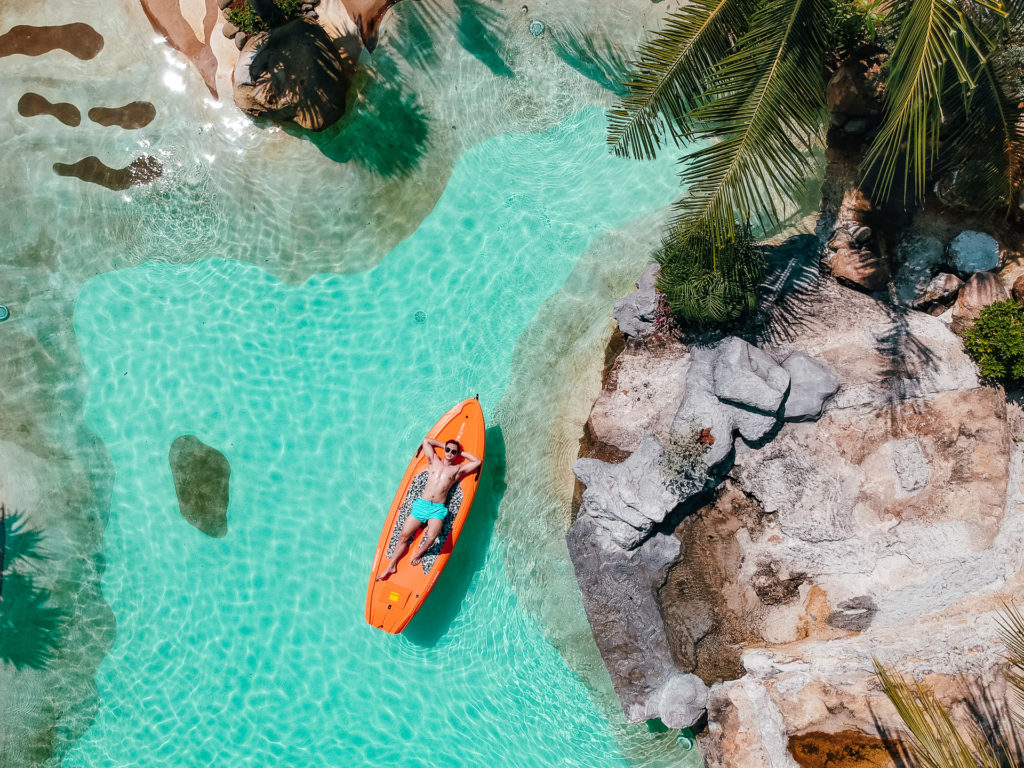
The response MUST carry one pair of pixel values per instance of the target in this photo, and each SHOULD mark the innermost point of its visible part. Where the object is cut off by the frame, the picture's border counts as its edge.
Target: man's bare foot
(418, 555)
(390, 569)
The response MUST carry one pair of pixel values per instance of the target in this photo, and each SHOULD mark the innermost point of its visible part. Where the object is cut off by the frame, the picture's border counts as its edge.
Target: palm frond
(1011, 629)
(988, 139)
(668, 78)
(935, 43)
(934, 739)
(764, 110)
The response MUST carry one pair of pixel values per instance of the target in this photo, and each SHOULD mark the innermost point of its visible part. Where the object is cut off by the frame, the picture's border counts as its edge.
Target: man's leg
(433, 529)
(408, 531)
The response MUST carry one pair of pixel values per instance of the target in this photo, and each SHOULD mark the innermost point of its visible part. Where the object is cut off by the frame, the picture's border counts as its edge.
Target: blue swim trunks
(424, 510)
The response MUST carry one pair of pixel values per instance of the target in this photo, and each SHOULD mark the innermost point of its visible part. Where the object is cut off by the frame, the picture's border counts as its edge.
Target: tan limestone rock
(981, 290)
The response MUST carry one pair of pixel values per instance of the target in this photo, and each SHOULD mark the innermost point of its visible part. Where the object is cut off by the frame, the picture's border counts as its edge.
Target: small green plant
(684, 455)
(708, 284)
(246, 19)
(996, 342)
(289, 8)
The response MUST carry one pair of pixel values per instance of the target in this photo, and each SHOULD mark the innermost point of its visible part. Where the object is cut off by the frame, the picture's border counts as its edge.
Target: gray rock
(636, 313)
(854, 614)
(918, 257)
(631, 497)
(811, 384)
(240, 40)
(861, 234)
(618, 589)
(941, 290)
(701, 409)
(746, 376)
(229, 30)
(201, 481)
(681, 701)
(909, 466)
(972, 252)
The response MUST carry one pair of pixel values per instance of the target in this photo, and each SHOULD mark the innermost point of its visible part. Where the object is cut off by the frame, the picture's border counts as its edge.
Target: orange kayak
(391, 604)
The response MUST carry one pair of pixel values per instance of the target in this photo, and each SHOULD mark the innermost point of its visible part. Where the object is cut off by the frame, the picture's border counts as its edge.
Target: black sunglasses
(451, 450)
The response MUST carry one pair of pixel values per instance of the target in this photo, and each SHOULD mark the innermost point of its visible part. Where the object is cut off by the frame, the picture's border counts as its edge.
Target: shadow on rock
(444, 603)
(385, 130)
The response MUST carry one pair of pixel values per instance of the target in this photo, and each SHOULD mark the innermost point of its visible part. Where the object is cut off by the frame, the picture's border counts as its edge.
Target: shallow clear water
(252, 649)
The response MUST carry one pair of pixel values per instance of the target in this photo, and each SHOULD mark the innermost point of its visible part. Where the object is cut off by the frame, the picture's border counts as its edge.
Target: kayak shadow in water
(445, 600)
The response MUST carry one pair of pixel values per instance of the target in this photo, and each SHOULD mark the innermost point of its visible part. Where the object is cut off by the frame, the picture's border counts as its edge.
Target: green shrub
(996, 342)
(705, 284)
(246, 19)
(289, 8)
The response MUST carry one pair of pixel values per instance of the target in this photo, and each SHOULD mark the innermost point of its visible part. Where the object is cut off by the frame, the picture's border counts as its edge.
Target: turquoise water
(252, 650)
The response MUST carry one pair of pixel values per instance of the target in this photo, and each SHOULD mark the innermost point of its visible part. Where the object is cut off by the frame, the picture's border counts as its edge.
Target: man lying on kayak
(429, 510)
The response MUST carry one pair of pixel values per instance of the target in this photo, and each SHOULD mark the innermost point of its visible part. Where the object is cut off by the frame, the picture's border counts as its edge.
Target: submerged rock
(636, 313)
(201, 481)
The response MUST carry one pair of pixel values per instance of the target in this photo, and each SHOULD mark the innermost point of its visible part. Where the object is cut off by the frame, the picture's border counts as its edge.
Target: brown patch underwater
(78, 39)
(32, 104)
(130, 116)
(142, 170)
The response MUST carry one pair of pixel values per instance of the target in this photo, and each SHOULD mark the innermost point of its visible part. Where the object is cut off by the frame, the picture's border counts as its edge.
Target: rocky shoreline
(890, 528)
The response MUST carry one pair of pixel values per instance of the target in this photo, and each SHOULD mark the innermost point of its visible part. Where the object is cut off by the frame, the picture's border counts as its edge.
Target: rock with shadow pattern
(618, 589)
(201, 480)
(293, 73)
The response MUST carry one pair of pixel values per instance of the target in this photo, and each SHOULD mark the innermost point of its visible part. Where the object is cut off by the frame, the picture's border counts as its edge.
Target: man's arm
(428, 447)
(472, 464)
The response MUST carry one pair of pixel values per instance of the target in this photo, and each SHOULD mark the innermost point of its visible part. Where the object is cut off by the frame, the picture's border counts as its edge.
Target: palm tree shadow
(384, 129)
(446, 599)
(476, 30)
(788, 293)
(607, 66)
(30, 629)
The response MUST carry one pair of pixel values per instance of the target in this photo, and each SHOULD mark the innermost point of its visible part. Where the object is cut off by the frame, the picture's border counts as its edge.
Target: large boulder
(701, 409)
(293, 73)
(861, 269)
(892, 528)
(202, 477)
(981, 290)
(746, 376)
(637, 312)
(972, 252)
(811, 384)
(631, 497)
(618, 588)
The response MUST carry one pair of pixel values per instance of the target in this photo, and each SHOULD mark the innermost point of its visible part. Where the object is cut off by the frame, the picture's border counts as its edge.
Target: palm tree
(744, 81)
(935, 740)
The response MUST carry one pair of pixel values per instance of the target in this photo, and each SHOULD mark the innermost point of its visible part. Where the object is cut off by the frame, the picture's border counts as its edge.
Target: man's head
(452, 449)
